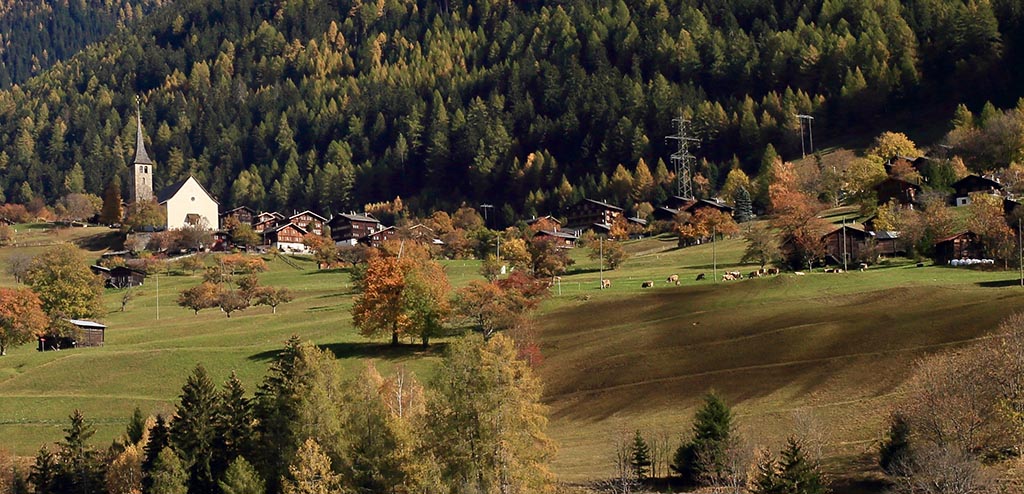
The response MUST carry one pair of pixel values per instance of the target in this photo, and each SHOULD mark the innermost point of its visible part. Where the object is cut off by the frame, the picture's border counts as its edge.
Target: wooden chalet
(888, 243)
(349, 228)
(119, 276)
(549, 220)
(309, 221)
(678, 203)
(267, 216)
(85, 334)
(589, 212)
(856, 239)
(665, 213)
(973, 184)
(422, 233)
(243, 214)
(563, 240)
(964, 245)
(377, 238)
(715, 204)
(896, 189)
(286, 238)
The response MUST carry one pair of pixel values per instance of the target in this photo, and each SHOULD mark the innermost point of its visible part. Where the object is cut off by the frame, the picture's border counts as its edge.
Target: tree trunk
(425, 338)
(394, 338)
(273, 309)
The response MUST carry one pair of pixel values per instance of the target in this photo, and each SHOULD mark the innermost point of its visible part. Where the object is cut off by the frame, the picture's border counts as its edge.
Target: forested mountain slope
(34, 34)
(527, 105)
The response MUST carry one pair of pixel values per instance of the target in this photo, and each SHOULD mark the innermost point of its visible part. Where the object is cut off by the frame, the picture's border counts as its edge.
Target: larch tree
(311, 473)
(241, 478)
(486, 420)
(378, 309)
(124, 473)
(111, 212)
(21, 317)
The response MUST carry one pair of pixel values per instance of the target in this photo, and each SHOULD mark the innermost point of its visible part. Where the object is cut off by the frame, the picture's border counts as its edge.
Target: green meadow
(822, 355)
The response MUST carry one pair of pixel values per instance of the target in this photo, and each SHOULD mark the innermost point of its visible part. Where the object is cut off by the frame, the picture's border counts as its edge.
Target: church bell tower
(142, 167)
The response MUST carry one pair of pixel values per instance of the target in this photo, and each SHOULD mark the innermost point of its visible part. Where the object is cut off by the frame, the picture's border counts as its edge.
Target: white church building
(185, 203)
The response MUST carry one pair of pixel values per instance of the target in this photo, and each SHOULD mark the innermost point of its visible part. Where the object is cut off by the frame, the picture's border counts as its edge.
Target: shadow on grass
(367, 350)
(111, 240)
(999, 284)
(326, 271)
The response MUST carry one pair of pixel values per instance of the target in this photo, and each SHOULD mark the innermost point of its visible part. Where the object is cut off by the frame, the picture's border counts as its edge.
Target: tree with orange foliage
(21, 317)
(702, 224)
(796, 218)
(401, 295)
(988, 221)
(619, 228)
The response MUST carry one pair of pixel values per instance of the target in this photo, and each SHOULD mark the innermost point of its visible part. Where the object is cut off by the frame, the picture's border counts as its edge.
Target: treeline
(35, 35)
(479, 427)
(334, 105)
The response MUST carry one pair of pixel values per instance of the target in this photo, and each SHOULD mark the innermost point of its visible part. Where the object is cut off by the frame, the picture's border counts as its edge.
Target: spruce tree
(159, 438)
(241, 478)
(797, 473)
(703, 458)
(44, 472)
(276, 409)
(640, 458)
(111, 212)
(766, 475)
(136, 427)
(192, 431)
(233, 426)
(78, 467)
(744, 205)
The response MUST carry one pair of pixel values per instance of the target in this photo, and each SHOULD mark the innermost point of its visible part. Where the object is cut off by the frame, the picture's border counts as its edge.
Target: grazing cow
(647, 284)
(606, 284)
(700, 277)
(863, 266)
(673, 279)
(754, 274)
(829, 270)
(728, 277)
(773, 271)
(838, 270)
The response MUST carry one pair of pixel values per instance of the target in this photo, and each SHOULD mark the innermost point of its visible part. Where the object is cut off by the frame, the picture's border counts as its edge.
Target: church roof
(170, 191)
(141, 157)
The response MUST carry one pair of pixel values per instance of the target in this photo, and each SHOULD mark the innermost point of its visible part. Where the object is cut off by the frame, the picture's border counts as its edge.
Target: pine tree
(640, 458)
(169, 475)
(744, 205)
(797, 473)
(703, 459)
(241, 478)
(766, 475)
(192, 431)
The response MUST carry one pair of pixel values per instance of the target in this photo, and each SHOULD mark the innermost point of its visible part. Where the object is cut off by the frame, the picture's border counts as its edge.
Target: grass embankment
(786, 351)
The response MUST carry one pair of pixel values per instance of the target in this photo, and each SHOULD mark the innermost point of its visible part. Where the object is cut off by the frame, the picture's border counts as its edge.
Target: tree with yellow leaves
(401, 295)
(311, 473)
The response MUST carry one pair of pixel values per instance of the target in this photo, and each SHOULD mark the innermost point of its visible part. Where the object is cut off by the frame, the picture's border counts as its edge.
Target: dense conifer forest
(527, 105)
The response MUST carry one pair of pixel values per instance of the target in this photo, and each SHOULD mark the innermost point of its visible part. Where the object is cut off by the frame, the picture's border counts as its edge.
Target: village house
(267, 221)
(422, 233)
(716, 204)
(562, 240)
(349, 228)
(896, 189)
(963, 245)
(590, 214)
(888, 243)
(244, 215)
(857, 244)
(286, 238)
(973, 184)
(379, 237)
(119, 276)
(309, 221)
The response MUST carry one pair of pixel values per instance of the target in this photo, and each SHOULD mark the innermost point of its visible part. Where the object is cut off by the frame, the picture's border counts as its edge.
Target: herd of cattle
(727, 276)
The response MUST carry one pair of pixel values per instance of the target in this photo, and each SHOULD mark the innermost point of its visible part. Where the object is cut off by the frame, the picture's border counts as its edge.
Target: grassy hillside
(787, 351)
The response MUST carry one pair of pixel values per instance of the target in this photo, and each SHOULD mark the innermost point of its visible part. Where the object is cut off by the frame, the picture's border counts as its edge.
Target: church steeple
(142, 167)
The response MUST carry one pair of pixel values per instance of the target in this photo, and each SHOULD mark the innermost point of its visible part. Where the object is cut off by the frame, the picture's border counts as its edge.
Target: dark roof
(141, 156)
(886, 235)
(713, 203)
(977, 181)
(168, 192)
(251, 210)
(556, 234)
(954, 237)
(668, 209)
(602, 204)
(310, 213)
(898, 180)
(97, 267)
(538, 218)
(282, 227)
(639, 221)
(358, 217)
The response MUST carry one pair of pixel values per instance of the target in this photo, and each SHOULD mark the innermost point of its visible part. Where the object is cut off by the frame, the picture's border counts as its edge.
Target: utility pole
(486, 207)
(682, 158)
(810, 128)
(158, 295)
(714, 252)
(600, 243)
(1020, 252)
(844, 244)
